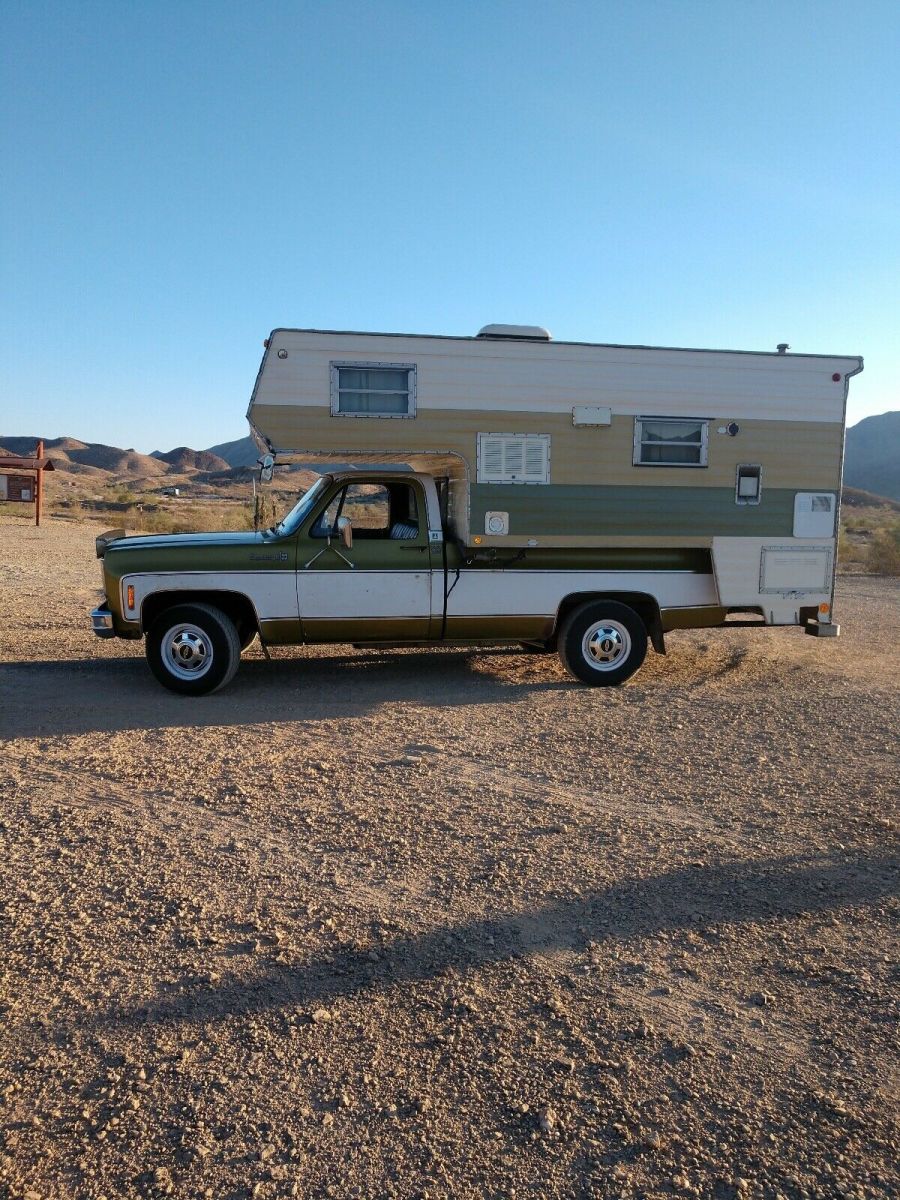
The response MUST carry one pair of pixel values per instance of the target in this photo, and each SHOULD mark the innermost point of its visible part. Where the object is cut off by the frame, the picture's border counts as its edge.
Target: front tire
(193, 649)
(602, 642)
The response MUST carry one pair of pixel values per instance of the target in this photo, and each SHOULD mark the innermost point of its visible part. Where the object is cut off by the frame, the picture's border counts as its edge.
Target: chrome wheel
(602, 643)
(606, 645)
(187, 651)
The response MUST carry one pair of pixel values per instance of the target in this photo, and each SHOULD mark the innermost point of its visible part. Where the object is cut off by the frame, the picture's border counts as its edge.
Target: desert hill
(857, 498)
(872, 459)
(80, 458)
(183, 459)
(241, 453)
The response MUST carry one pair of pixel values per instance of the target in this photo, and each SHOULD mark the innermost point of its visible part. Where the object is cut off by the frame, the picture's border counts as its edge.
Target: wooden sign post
(28, 488)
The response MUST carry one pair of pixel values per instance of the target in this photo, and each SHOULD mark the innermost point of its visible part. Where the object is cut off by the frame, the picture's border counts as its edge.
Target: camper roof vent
(532, 333)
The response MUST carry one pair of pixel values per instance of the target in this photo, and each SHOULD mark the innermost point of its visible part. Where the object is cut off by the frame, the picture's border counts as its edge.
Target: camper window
(373, 389)
(670, 442)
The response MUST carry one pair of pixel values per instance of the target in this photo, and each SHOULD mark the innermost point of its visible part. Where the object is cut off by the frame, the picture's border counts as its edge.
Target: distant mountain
(872, 459)
(107, 463)
(89, 458)
(183, 458)
(242, 453)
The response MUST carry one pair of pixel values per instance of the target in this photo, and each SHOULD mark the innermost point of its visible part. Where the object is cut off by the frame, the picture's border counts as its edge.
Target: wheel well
(233, 604)
(646, 606)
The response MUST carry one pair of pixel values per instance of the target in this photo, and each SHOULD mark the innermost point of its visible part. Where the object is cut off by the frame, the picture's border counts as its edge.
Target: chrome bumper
(102, 622)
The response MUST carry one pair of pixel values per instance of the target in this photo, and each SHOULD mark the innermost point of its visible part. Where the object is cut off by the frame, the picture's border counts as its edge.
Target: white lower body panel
(272, 593)
(778, 575)
(540, 593)
(339, 595)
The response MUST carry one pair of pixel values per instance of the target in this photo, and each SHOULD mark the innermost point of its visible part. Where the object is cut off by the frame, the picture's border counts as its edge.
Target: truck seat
(403, 531)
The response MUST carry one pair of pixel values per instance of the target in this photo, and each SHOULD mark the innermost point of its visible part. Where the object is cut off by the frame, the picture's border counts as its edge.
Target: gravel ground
(407, 924)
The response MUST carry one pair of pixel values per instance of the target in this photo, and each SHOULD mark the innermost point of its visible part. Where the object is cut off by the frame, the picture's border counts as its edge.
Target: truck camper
(564, 496)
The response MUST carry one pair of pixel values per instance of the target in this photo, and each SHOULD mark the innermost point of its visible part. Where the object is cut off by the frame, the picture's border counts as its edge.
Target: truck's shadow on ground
(62, 697)
(696, 898)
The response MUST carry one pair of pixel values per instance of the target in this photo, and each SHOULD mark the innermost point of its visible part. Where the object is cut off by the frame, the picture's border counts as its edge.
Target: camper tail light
(129, 596)
(824, 612)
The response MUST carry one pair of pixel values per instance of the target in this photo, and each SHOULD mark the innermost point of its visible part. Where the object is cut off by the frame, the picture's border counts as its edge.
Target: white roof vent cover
(534, 333)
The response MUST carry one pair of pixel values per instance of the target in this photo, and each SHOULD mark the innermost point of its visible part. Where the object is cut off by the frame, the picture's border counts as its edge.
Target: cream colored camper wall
(794, 454)
(483, 375)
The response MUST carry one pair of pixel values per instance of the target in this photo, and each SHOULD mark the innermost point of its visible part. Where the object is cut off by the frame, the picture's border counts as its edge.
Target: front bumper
(102, 622)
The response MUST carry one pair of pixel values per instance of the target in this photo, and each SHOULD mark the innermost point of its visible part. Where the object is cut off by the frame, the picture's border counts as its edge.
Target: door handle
(409, 549)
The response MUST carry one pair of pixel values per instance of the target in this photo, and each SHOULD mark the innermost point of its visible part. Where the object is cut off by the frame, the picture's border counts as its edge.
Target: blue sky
(178, 178)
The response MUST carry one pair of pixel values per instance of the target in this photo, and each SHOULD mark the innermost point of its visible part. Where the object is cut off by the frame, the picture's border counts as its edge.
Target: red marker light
(836, 377)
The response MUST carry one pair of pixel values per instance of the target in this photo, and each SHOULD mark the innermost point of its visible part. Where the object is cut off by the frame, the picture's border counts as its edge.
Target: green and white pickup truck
(366, 559)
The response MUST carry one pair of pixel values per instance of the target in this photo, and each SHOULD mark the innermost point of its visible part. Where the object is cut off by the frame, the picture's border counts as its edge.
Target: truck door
(379, 589)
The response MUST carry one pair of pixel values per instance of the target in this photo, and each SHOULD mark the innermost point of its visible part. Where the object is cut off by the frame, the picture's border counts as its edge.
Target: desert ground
(406, 924)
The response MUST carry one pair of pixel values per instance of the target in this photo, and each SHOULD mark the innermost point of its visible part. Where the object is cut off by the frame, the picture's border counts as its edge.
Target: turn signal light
(129, 595)
(824, 609)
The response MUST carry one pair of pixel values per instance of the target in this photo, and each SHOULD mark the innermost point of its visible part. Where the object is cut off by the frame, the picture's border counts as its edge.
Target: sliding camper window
(670, 442)
(373, 389)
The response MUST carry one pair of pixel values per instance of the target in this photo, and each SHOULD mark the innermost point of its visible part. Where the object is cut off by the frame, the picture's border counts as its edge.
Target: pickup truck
(369, 559)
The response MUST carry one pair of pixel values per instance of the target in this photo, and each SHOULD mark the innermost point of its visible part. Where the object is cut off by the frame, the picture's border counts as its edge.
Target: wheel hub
(187, 651)
(606, 645)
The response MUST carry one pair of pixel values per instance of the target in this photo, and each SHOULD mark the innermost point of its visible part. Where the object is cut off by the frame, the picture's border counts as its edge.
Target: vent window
(748, 484)
(513, 458)
(373, 389)
(668, 442)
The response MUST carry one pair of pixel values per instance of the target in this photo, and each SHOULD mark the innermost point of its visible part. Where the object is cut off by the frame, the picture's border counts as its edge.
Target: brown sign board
(29, 488)
(17, 487)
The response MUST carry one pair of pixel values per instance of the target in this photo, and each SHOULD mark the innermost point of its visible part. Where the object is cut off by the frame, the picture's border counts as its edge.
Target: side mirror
(345, 532)
(266, 468)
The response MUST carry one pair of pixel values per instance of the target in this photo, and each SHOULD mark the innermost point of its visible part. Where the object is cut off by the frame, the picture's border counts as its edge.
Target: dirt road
(397, 924)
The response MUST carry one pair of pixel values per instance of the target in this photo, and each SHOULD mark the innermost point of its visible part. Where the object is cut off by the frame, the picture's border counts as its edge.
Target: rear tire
(193, 649)
(602, 642)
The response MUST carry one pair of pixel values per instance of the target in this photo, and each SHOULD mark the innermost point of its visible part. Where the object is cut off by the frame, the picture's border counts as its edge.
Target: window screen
(373, 390)
(667, 442)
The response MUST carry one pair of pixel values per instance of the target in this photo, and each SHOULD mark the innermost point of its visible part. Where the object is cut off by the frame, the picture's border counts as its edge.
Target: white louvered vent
(513, 458)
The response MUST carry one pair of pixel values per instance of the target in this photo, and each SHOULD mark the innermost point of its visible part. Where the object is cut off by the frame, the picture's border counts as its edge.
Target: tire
(193, 649)
(602, 642)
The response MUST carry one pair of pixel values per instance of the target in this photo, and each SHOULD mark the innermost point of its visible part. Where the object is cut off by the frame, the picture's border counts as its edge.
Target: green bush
(850, 553)
(884, 550)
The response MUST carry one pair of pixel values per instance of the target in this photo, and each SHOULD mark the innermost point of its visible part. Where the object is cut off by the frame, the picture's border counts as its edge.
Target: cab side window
(376, 510)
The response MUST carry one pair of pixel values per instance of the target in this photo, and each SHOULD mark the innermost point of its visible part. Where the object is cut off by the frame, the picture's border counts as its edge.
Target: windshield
(295, 518)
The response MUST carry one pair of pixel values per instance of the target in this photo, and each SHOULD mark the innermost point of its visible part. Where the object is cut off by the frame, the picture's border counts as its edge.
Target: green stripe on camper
(615, 511)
